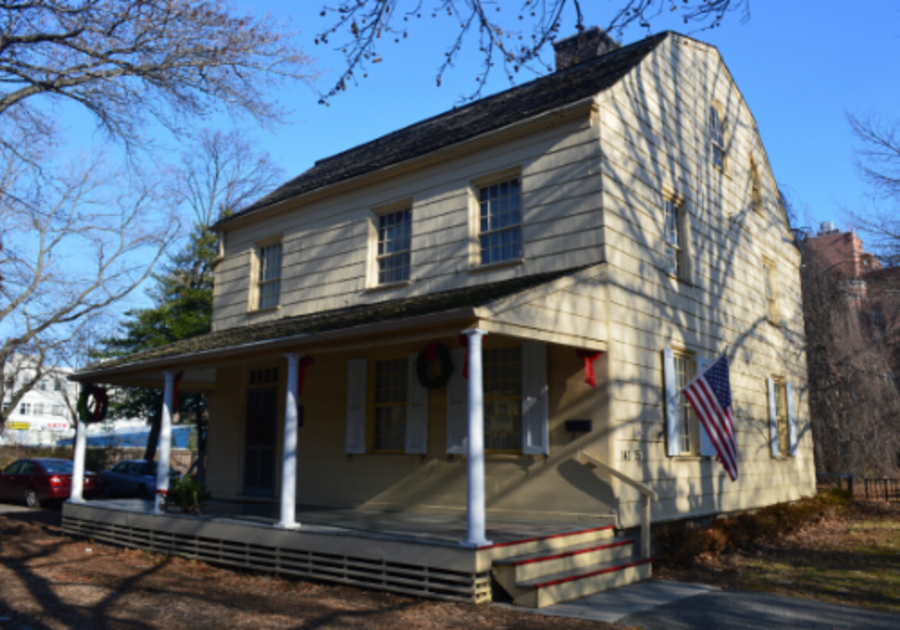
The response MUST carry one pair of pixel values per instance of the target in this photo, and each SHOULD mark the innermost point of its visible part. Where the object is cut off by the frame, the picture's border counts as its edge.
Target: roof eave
(556, 116)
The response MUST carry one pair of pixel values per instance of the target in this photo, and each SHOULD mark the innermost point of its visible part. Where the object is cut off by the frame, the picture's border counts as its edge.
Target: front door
(260, 435)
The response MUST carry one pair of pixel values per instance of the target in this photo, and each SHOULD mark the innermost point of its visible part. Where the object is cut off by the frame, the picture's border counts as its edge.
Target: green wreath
(96, 412)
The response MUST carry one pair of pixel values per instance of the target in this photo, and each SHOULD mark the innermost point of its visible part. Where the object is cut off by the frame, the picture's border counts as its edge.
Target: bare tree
(75, 242)
(511, 38)
(223, 172)
(127, 61)
(853, 398)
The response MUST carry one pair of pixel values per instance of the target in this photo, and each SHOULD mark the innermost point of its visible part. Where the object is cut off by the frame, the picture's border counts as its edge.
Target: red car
(42, 479)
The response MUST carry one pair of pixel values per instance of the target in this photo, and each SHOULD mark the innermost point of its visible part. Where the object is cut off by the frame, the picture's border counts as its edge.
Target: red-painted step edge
(592, 574)
(531, 540)
(620, 543)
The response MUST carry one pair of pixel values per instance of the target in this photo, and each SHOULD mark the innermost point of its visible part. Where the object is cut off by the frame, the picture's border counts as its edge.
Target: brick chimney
(583, 46)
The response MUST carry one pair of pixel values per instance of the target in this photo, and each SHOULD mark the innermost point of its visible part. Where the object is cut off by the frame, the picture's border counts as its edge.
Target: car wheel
(142, 493)
(107, 491)
(31, 498)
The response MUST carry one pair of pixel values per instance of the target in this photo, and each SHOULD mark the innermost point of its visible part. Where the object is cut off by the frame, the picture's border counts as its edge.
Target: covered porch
(327, 422)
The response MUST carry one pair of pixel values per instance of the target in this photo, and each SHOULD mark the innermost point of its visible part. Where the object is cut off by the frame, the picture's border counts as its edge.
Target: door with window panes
(260, 434)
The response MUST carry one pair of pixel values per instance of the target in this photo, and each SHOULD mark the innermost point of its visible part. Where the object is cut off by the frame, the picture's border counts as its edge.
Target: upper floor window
(39, 409)
(25, 409)
(57, 410)
(771, 291)
(674, 250)
(717, 137)
(755, 188)
(394, 245)
(269, 277)
(57, 385)
(500, 216)
(502, 370)
(42, 385)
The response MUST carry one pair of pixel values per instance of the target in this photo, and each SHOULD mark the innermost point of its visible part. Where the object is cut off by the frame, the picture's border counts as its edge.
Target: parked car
(131, 478)
(41, 480)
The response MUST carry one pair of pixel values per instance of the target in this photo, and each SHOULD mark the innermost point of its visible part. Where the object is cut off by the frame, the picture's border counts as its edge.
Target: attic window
(717, 137)
(755, 188)
(500, 214)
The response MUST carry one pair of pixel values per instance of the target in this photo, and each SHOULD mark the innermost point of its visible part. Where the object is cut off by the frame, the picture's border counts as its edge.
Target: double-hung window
(394, 245)
(770, 290)
(755, 188)
(781, 418)
(390, 402)
(25, 409)
(674, 249)
(500, 221)
(717, 137)
(688, 426)
(269, 277)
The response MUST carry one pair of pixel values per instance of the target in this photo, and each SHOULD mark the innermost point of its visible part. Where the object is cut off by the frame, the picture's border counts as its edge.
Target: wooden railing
(647, 494)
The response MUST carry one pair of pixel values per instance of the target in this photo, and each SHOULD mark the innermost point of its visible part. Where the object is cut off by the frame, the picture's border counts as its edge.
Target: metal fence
(882, 489)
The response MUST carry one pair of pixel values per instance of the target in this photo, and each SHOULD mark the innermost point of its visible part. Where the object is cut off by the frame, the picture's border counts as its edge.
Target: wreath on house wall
(428, 377)
(96, 412)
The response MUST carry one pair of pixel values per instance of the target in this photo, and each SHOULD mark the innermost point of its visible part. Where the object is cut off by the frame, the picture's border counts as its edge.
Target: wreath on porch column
(428, 378)
(95, 412)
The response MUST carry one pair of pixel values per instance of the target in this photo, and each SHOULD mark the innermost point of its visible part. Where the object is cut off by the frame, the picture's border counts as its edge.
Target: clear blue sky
(799, 65)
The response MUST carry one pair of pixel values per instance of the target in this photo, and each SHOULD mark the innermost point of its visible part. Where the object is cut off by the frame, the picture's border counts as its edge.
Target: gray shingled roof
(463, 123)
(341, 318)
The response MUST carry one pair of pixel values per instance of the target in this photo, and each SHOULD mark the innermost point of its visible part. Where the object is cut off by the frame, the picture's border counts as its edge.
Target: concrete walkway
(665, 605)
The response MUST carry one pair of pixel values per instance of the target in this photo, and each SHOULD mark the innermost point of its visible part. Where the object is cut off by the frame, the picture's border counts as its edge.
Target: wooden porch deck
(413, 553)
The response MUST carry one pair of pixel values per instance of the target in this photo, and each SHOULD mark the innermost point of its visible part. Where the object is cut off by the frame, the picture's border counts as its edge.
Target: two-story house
(489, 315)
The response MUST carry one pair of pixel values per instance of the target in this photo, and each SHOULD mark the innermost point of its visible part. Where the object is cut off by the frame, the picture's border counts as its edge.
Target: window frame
(716, 125)
(24, 408)
(682, 246)
(475, 231)
(782, 419)
(491, 347)
(257, 269)
(770, 283)
(689, 424)
(372, 405)
(372, 282)
(756, 201)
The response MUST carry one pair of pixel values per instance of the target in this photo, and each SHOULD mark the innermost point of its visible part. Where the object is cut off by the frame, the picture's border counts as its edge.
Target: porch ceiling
(317, 331)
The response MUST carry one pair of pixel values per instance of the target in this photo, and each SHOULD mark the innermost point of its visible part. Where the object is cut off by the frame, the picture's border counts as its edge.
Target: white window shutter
(670, 392)
(706, 446)
(416, 411)
(773, 419)
(457, 406)
(792, 416)
(534, 399)
(356, 406)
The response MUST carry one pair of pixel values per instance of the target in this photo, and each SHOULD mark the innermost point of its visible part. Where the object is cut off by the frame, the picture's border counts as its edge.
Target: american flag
(710, 396)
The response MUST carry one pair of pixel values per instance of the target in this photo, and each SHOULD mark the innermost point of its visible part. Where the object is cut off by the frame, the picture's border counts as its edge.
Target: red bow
(589, 357)
(430, 352)
(464, 341)
(305, 362)
(100, 397)
(175, 393)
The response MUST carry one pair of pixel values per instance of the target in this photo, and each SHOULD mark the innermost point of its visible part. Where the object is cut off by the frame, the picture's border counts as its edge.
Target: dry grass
(851, 558)
(49, 581)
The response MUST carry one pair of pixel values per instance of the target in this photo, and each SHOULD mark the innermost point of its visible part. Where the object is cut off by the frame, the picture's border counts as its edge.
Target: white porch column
(475, 516)
(77, 494)
(289, 451)
(165, 439)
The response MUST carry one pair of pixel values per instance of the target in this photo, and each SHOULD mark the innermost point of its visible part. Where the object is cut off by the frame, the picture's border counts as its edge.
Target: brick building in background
(870, 287)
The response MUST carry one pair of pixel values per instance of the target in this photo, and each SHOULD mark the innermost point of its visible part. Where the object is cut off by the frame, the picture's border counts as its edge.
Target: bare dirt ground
(851, 559)
(51, 581)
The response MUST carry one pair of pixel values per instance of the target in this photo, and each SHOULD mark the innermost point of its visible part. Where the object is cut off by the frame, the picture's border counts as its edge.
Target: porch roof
(455, 304)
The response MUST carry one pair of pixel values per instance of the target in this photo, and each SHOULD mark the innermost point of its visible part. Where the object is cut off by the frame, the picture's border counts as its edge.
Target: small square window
(394, 245)
(269, 278)
(500, 221)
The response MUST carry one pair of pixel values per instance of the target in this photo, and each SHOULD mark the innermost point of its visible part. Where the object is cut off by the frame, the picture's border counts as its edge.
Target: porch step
(559, 587)
(535, 565)
(544, 544)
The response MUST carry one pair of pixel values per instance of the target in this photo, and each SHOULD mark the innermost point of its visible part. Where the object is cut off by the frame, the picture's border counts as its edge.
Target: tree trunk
(153, 437)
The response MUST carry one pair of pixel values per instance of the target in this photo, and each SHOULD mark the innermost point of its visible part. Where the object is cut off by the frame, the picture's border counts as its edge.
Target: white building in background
(43, 415)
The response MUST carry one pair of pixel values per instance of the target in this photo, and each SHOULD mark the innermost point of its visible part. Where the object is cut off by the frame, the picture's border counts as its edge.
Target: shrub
(186, 492)
(679, 543)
